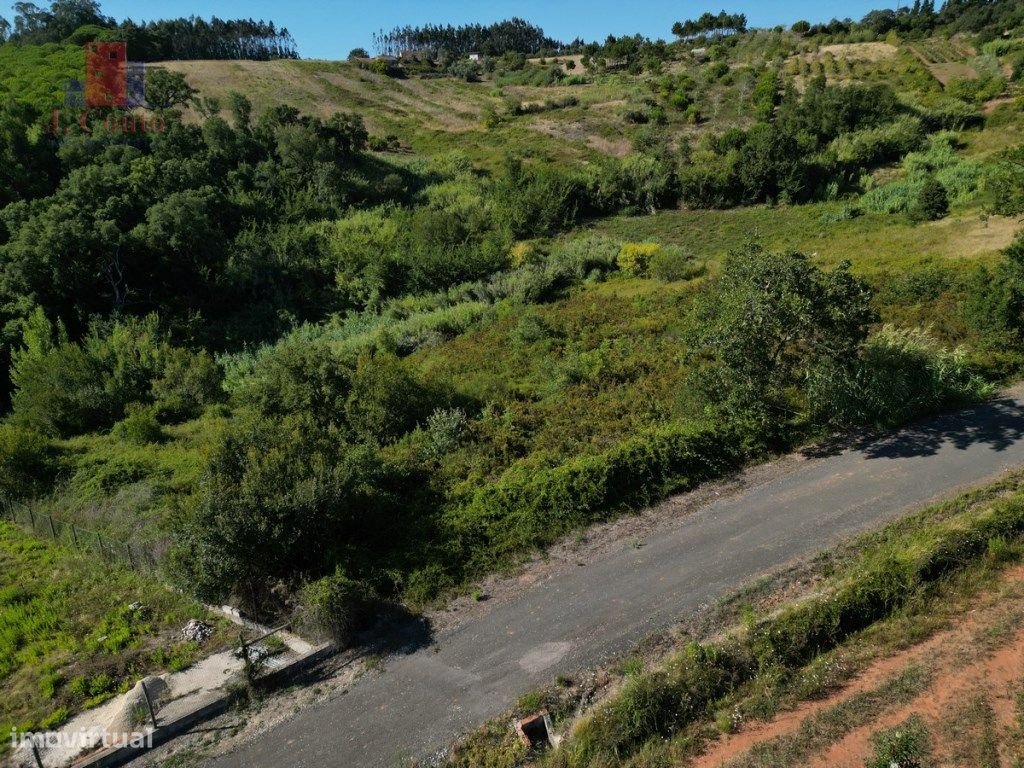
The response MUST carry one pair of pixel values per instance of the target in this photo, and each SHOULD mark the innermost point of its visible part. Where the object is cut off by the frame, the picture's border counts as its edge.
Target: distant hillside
(579, 113)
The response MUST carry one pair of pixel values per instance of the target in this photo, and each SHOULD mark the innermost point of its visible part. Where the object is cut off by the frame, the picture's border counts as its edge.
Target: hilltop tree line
(711, 24)
(986, 18)
(78, 21)
(512, 35)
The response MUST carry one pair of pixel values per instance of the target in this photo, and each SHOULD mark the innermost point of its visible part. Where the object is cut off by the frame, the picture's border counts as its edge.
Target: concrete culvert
(536, 731)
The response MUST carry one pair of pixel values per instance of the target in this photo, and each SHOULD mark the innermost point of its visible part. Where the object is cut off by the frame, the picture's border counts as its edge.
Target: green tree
(387, 400)
(1006, 180)
(994, 303)
(282, 497)
(166, 89)
(766, 322)
(241, 110)
(931, 203)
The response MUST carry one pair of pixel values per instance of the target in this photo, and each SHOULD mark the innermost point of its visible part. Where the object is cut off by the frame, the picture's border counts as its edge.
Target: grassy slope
(68, 639)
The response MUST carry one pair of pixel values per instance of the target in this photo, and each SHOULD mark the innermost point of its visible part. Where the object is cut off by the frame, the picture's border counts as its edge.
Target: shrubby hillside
(365, 331)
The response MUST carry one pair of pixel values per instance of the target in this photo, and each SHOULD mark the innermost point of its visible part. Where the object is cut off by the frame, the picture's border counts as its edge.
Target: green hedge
(884, 585)
(528, 508)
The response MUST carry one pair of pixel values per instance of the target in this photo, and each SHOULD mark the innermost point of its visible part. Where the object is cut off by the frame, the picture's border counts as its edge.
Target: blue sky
(329, 30)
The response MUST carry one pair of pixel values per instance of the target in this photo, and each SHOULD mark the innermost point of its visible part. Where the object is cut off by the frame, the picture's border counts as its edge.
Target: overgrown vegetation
(320, 373)
(75, 631)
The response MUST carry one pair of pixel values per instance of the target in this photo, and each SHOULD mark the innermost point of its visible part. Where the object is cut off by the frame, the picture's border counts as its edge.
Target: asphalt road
(579, 618)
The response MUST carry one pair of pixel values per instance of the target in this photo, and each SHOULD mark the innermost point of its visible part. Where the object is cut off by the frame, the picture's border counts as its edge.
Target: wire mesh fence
(136, 556)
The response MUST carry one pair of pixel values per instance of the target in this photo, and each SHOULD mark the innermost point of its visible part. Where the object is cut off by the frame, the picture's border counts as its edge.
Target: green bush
(1006, 181)
(635, 258)
(295, 376)
(425, 585)
(333, 607)
(931, 202)
(672, 263)
(901, 374)
(140, 426)
(530, 329)
(27, 461)
(993, 305)
(387, 400)
(188, 383)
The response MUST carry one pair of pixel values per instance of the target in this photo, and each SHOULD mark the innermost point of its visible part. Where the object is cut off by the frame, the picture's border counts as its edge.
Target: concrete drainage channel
(169, 705)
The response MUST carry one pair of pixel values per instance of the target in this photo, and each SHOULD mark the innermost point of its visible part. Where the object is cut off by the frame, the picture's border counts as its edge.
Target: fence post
(149, 702)
(131, 559)
(32, 518)
(103, 552)
(74, 535)
(53, 531)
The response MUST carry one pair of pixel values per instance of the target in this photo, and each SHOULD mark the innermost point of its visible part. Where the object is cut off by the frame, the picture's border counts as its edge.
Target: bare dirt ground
(993, 104)
(857, 51)
(979, 661)
(563, 61)
(969, 237)
(577, 131)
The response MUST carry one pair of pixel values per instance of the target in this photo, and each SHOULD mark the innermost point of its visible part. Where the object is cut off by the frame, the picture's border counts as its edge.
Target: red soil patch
(954, 682)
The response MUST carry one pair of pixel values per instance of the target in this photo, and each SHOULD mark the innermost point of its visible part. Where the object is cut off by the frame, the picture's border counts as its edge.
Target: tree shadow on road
(997, 424)
(398, 631)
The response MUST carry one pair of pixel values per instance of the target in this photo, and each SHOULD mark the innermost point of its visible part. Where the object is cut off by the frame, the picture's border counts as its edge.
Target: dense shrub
(333, 607)
(993, 305)
(530, 201)
(1006, 180)
(386, 400)
(63, 388)
(140, 426)
(940, 162)
(635, 258)
(672, 263)
(283, 497)
(766, 321)
(900, 374)
(188, 383)
(871, 146)
(931, 202)
(529, 507)
(27, 461)
(296, 377)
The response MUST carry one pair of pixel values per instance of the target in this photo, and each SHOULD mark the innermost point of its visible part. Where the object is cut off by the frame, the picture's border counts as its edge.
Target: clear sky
(329, 30)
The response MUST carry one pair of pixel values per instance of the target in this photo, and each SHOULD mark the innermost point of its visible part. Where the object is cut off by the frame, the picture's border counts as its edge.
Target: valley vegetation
(317, 366)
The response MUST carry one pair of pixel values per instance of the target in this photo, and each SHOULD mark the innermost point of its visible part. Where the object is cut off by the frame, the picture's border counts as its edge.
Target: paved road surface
(582, 617)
